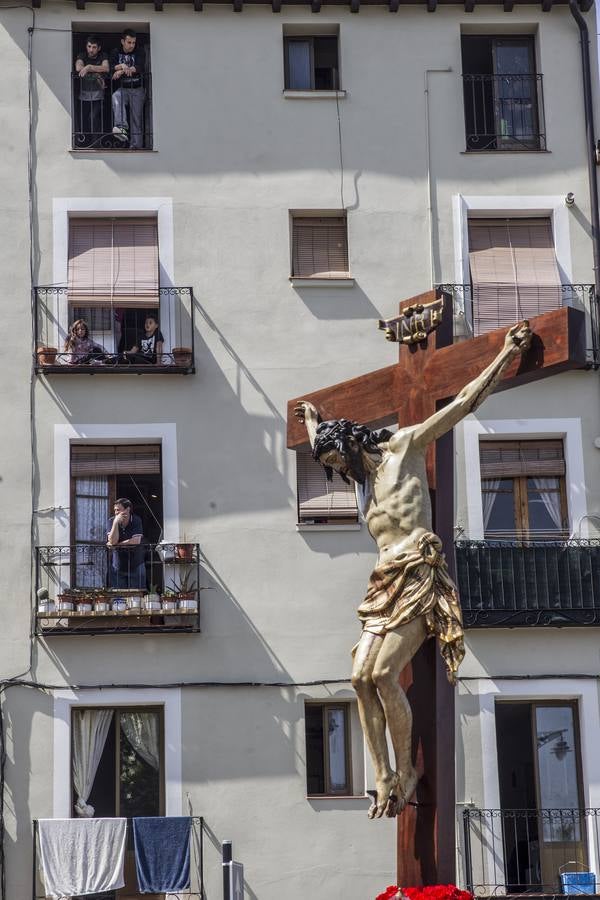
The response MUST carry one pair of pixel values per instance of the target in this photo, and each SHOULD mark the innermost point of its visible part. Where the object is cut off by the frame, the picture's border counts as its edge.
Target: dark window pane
(499, 507)
(543, 499)
(139, 764)
(557, 768)
(326, 63)
(103, 796)
(315, 769)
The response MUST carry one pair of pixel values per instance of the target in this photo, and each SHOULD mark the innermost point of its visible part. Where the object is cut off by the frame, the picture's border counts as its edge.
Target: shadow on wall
(338, 303)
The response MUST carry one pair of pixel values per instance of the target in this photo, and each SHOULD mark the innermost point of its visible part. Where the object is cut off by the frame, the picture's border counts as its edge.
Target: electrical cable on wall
(339, 124)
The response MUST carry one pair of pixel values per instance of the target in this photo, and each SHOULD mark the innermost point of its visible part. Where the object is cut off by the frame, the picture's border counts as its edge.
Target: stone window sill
(314, 95)
(337, 797)
(321, 282)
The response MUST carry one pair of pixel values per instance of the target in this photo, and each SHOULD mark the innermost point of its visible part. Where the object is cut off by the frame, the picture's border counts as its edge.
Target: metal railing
(504, 112)
(89, 588)
(520, 583)
(477, 311)
(100, 105)
(196, 889)
(114, 331)
(518, 851)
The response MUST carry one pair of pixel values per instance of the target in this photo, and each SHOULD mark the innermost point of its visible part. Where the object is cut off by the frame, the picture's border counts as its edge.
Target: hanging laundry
(162, 853)
(82, 856)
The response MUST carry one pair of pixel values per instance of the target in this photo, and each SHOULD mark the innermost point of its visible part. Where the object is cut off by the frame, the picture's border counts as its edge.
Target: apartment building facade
(262, 183)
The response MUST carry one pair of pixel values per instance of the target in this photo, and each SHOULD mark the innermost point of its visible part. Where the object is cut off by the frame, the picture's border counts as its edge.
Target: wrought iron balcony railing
(477, 311)
(100, 106)
(504, 112)
(520, 583)
(530, 851)
(89, 588)
(115, 333)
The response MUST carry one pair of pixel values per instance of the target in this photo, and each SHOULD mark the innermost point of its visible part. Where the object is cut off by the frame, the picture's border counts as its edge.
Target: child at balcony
(80, 349)
(148, 347)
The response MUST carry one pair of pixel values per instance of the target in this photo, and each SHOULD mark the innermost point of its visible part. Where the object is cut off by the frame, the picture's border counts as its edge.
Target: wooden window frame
(325, 707)
(310, 39)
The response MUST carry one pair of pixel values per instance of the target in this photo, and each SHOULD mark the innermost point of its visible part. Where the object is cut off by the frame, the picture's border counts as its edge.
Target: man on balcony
(91, 66)
(127, 64)
(125, 533)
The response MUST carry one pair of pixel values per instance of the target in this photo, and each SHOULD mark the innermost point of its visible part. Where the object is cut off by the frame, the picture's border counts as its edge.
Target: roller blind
(113, 261)
(513, 270)
(510, 459)
(320, 247)
(319, 498)
(119, 459)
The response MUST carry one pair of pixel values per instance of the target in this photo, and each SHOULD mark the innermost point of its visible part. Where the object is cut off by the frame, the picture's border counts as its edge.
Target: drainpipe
(590, 138)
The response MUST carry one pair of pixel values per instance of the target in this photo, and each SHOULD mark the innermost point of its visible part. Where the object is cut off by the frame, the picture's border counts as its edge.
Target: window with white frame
(320, 501)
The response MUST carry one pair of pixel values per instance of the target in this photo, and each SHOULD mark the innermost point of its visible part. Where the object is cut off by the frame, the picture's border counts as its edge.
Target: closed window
(502, 93)
(514, 271)
(319, 247)
(523, 490)
(311, 63)
(328, 769)
(320, 501)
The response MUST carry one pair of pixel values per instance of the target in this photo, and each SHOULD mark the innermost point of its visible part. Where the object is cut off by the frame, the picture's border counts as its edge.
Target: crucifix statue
(410, 595)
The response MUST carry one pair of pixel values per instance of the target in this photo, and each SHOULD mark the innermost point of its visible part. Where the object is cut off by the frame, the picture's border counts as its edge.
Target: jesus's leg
(396, 652)
(372, 718)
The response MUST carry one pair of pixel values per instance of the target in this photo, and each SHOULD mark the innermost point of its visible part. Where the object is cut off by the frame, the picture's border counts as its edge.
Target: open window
(328, 766)
(311, 62)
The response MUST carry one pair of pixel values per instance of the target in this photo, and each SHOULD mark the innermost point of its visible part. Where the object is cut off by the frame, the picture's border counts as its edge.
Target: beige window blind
(320, 247)
(513, 270)
(320, 499)
(113, 261)
(120, 459)
(512, 459)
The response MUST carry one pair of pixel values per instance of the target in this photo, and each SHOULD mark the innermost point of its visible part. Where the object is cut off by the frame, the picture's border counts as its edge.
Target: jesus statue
(410, 595)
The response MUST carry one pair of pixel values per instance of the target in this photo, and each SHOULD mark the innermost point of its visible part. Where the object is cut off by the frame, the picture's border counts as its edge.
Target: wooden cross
(427, 375)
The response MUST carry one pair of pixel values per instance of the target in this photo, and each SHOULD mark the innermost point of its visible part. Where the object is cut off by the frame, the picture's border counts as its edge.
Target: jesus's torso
(399, 509)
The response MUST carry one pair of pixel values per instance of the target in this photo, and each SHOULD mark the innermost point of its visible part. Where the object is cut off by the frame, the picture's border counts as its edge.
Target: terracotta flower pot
(182, 356)
(46, 356)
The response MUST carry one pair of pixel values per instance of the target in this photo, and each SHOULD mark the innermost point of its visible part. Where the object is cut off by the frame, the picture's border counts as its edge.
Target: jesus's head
(347, 447)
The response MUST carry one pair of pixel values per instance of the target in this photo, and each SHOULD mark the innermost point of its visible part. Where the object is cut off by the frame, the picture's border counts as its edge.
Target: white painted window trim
(552, 205)
(291, 94)
(64, 207)
(585, 692)
(523, 429)
(64, 700)
(163, 432)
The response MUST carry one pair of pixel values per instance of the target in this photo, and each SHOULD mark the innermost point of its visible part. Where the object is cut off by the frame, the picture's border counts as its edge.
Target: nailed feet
(392, 794)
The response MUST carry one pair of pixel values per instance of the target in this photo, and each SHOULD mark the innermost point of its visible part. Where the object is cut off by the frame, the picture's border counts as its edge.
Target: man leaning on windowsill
(125, 533)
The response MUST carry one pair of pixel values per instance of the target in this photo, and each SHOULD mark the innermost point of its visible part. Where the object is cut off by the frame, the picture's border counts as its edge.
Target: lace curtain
(90, 730)
(550, 497)
(488, 496)
(91, 517)
(141, 730)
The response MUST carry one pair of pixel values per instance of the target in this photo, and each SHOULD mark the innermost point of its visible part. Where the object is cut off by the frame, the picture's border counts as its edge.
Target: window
(320, 501)
(514, 271)
(117, 767)
(328, 769)
(539, 773)
(319, 247)
(311, 63)
(101, 474)
(109, 113)
(523, 490)
(501, 89)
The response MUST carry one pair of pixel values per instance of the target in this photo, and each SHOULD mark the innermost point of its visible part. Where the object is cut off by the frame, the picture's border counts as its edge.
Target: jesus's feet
(392, 794)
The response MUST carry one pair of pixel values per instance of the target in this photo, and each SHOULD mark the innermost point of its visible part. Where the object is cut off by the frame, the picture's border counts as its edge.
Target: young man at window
(125, 535)
(127, 64)
(91, 66)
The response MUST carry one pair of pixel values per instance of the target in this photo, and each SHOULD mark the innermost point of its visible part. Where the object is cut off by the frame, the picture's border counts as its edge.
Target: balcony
(477, 312)
(530, 851)
(92, 120)
(504, 112)
(114, 330)
(87, 588)
(520, 583)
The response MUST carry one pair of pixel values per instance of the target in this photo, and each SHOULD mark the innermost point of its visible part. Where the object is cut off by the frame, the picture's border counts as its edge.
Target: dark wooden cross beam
(427, 376)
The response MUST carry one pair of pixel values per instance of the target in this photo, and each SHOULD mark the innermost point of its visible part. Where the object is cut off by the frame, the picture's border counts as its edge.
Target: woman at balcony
(81, 349)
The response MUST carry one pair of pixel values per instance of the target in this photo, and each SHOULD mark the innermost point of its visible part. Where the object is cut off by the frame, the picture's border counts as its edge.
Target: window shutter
(319, 498)
(120, 459)
(113, 261)
(510, 459)
(514, 271)
(320, 247)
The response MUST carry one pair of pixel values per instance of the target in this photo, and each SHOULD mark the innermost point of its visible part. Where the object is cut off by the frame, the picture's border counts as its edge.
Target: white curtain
(141, 730)
(90, 729)
(550, 497)
(491, 485)
(91, 517)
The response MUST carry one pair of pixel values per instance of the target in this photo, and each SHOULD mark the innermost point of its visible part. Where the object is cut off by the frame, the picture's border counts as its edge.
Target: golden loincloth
(417, 583)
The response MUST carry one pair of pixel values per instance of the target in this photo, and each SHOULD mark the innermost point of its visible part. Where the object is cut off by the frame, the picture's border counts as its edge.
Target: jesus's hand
(305, 411)
(519, 337)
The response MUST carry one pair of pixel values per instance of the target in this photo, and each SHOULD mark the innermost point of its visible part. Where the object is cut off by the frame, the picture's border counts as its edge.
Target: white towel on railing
(82, 856)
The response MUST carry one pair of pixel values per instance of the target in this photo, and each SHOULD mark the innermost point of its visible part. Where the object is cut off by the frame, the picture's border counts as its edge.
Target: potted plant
(185, 590)
(151, 600)
(65, 602)
(169, 601)
(182, 356)
(83, 600)
(101, 600)
(46, 356)
(134, 602)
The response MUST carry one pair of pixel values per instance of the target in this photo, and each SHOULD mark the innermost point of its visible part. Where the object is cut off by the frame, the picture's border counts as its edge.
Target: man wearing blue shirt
(125, 535)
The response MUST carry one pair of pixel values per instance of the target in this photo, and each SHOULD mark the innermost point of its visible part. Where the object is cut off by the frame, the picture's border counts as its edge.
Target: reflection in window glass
(337, 749)
(557, 771)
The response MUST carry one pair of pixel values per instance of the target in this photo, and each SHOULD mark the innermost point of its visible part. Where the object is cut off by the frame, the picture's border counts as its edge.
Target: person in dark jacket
(127, 66)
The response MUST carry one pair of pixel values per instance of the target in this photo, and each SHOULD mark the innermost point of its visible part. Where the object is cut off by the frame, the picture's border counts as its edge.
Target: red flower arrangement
(430, 892)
